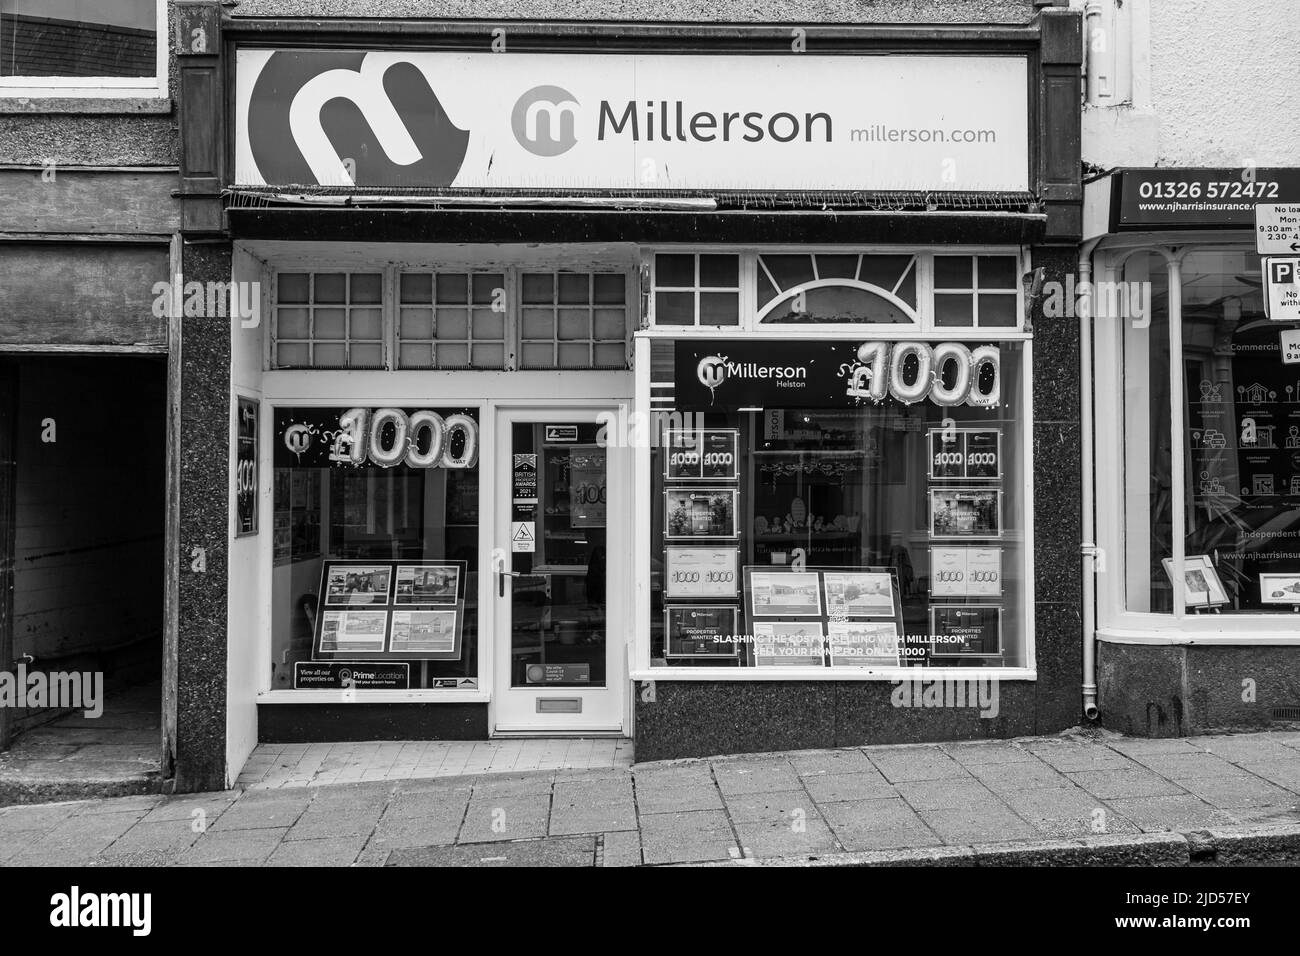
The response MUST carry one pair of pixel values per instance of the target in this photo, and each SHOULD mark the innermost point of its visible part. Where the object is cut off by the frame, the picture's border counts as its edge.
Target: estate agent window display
(839, 505)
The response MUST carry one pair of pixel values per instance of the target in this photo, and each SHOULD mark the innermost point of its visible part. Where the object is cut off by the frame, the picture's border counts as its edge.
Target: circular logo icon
(535, 673)
(712, 371)
(543, 120)
(297, 438)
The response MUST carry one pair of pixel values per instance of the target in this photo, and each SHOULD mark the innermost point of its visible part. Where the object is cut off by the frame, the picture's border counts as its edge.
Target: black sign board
(362, 675)
(727, 373)
(246, 468)
(1143, 199)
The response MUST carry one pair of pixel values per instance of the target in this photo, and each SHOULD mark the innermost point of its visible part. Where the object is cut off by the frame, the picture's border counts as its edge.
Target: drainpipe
(1088, 546)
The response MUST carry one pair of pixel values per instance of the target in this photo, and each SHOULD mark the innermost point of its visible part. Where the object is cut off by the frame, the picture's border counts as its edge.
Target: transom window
(329, 320)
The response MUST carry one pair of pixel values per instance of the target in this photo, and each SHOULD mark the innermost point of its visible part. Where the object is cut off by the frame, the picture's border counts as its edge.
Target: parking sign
(1282, 277)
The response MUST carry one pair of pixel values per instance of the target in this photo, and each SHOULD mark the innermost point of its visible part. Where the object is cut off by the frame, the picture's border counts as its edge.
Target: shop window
(452, 320)
(69, 44)
(329, 320)
(976, 292)
(376, 523)
(799, 521)
(836, 288)
(693, 289)
(573, 320)
(1233, 423)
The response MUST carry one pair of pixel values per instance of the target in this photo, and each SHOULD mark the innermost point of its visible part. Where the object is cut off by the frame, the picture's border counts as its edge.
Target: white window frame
(100, 87)
(750, 319)
(1115, 622)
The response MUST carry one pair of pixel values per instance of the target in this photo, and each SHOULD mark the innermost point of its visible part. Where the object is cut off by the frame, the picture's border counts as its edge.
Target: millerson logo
(713, 370)
(542, 120)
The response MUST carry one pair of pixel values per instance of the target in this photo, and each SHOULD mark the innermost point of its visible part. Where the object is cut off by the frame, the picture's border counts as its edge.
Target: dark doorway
(82, 451)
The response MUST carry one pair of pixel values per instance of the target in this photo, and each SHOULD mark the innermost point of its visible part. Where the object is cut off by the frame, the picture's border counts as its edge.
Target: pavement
(1082, 797)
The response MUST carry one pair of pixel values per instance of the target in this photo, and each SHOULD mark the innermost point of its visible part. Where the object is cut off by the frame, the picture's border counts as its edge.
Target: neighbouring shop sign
(1143, 199)
(631, 121)
(734, 373)
(246, 468)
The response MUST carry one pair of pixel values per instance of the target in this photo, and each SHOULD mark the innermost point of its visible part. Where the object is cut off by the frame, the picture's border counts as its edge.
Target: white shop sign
(610, 121)
(1282, 281)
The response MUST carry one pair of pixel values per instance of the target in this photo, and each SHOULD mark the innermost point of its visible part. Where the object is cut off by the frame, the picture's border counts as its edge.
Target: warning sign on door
(523, 536)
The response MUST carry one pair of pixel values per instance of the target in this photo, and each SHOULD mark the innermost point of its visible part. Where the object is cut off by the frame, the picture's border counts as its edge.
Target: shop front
(1198, 454)
(597, 394)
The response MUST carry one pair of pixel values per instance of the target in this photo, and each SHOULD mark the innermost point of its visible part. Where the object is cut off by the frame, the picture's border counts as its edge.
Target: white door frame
(512, 711)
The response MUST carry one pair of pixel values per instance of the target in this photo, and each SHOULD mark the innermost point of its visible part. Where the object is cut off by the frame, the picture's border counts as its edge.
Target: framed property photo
(353, 583)
(962, 571)
(965, 513)
(863, 643)
(1279, 588)
(784, 593)
(419, 631)
(967, 454)
(859, 593)
(789, 644)
(700, 513)
(427, 583)
(1202, 586)
(353, 632)
(700, 630)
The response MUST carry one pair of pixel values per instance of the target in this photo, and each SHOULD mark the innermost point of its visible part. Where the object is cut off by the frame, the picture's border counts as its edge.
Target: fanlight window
(835, 288)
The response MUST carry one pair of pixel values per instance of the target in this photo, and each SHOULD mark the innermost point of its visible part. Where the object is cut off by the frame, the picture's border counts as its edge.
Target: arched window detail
(836, 289)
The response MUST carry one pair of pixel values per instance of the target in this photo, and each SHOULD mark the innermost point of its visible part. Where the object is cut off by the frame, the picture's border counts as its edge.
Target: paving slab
(1284, 773)
(989, 823)
(234, 845)
(831, 761)
(1137, 782)
(1062, 812)
(695, 836)
(1176, 813)
(331, 851)
(991, 752)
(492, 817)
(877, 824)
(768, 838)
(1187, 766)
(755, 776)
(781, 805)
(904, 764)
(703, 796)
(946, 794)
(1004, 778)
(621, 848)
(1230, 792)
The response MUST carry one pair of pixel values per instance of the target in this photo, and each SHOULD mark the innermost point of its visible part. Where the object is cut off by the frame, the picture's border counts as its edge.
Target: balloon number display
(389, 437)
(947, 374)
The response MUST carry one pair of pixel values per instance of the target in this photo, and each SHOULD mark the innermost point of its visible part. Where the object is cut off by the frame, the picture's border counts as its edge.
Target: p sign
(1282, 276)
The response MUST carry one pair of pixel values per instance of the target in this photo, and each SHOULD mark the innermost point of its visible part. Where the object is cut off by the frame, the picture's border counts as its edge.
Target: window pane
(292, 355)
(997, 272)
(75, 38)
(489, 288)
(397, 548)
(417, 287)
(673, 270)
(292, 324)
(952, 272)
(452, 355)
(329, 356)
(719, 308)
(611, 356)
(292, 287)
(452, 324)
(611, 324)
(539, 288)
(488, 355)
(416, 356)
(574, 290)
(575, 356)
(453, 289)
(366, 356)
(997, 311)
(416, 324)
(329, 324)
(367, 289)
(789, 271)
(539, 324)
(674, 308)
(331, 287)
(611, 288)
(575, 324)
(366, 324)
(489, 324)
(953, 310)
(837, 267)
(720, 271)
(537, 355)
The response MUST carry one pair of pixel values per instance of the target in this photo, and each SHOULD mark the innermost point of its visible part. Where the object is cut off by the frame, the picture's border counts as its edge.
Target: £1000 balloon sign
(948, 373)
(389, 436)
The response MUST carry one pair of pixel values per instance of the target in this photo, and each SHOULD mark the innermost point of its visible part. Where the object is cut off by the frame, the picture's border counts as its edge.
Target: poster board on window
(390, 610)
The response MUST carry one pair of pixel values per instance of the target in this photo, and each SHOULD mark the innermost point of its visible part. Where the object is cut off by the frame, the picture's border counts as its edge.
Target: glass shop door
(564, 532)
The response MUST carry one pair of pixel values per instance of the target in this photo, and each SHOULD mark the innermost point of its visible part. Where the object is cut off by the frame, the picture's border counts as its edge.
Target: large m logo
(320, 117)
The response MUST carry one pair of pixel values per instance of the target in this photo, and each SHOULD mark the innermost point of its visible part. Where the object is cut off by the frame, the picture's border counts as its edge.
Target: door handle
(501, 581)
